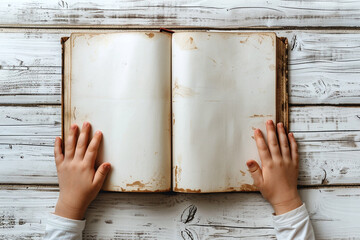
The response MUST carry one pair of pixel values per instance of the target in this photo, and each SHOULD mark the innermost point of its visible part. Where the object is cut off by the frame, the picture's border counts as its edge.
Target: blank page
(120, 83)
(223, 86)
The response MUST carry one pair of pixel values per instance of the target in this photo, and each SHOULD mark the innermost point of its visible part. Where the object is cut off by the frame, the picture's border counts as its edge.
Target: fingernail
(73, 126)
(250, 164)
(85, 124)
(269, 122)
(98, 132)
(107, 167)
(280, 124)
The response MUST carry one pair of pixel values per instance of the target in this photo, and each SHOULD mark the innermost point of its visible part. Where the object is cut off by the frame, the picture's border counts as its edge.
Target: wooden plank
(32, 85)
(30, 49)
(27, 164)
(334, 213)
(34, 164)
(26, 143)
(323, 66)
(302, 119)
(30, 121)
(329, 144)
(182, 13)
(340, 118)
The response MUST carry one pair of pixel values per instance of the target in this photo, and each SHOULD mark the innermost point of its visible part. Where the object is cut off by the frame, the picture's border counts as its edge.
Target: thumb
(101, 174)
(256, 172)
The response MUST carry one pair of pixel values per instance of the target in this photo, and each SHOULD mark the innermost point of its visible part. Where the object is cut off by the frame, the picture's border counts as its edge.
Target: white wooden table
(324, 76)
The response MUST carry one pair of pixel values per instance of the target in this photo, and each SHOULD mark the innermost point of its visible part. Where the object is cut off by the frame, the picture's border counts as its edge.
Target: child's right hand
(277, 179)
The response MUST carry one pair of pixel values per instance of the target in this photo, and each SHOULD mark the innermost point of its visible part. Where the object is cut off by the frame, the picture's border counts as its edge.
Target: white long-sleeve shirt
(294, 225)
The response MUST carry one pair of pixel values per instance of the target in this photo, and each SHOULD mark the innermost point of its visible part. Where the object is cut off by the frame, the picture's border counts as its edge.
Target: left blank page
(121, 84)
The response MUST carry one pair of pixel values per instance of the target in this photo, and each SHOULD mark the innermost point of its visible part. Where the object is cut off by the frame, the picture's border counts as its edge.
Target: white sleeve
(61, 228)
(294, 225)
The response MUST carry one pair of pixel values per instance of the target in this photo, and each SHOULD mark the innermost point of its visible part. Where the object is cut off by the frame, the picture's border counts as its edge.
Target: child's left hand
(78, 181)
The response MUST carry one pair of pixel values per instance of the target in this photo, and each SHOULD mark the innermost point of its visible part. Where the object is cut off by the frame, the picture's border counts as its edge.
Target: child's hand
(78, 181)
(277, 179)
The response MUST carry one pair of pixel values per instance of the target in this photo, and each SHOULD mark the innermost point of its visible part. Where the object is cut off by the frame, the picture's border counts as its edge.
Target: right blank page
(224, 86)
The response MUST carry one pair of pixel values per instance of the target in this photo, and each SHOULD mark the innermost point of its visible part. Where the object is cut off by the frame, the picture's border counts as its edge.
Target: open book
(177, 111)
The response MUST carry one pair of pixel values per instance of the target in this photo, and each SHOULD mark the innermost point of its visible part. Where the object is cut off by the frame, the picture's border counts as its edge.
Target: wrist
(64, 210)
(287, 206)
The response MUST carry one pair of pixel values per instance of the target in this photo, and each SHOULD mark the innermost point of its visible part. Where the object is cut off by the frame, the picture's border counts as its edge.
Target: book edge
(62, 41)
(282, 90)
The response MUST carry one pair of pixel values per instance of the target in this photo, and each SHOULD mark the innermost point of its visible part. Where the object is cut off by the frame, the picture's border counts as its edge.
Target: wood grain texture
(334, 213)
(31, 85)
(323, 66)
(329, 144)
(26, 143)
(183, 13)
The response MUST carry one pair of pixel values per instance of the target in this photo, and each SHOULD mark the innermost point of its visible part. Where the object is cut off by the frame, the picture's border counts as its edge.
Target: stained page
(121, 84)
(223, 87)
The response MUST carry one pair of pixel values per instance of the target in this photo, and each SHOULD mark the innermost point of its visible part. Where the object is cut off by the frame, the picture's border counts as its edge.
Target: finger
(294, 149)
(92, 150)
(284, 143)
(256, 172)
(59, 157)
(101, 174)
(83, 141)
(263, 149)
(71, 142)
(272, 140)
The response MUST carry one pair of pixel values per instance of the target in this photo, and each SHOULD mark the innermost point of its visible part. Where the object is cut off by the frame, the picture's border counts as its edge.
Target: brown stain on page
(191, 41)
(182, 90)
(149, 191)
(156, 184)
(213, 60)
(114, 188)
(89, 37)
(260, 116)
(136, 184)
(242, 173)
(242, 188)
(260, 39)
(186, 43)
(86, 36)
(150, 35)
(244, 41)
(74, 113)
(248, 188)
(177, 173)
(187, 190)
